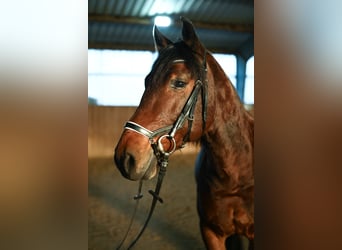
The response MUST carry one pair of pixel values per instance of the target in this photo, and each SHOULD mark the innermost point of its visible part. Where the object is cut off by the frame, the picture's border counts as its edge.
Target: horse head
(179, 68)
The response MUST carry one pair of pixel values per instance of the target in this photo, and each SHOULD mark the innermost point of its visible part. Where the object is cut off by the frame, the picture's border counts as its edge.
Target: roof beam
(117, 46)
(247, 28)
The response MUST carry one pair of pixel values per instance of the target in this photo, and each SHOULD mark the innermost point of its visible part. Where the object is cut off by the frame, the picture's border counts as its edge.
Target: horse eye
(177, 84)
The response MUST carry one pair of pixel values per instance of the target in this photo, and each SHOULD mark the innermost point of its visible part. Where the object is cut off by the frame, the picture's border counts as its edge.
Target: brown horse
(216, 119)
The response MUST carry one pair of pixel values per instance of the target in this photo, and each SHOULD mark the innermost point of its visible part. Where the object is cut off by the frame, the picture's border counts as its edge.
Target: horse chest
(225, 214)
(223, 205)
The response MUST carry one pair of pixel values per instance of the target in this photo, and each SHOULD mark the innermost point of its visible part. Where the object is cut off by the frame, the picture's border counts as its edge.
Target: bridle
(168, 132)
(186, 114)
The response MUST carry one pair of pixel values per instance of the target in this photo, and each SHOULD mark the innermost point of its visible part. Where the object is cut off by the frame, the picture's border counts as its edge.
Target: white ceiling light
(162, 21)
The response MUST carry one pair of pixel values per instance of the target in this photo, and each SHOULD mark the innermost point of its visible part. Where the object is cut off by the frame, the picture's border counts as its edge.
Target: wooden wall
(105, 125)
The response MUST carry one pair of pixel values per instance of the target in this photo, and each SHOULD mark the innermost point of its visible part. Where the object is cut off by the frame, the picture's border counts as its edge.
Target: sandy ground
(174, 224)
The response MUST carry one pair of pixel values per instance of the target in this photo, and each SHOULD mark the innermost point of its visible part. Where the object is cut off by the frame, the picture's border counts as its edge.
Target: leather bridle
(187, 113)
(162, 154)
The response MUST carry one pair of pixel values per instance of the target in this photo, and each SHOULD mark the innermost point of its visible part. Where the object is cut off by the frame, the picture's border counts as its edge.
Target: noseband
(161, 154)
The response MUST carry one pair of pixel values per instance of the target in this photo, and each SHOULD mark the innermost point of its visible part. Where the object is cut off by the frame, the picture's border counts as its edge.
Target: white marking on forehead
(178, 61)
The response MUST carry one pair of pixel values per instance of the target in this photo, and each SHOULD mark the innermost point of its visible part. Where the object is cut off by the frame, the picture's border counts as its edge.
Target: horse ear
(190, 37)
(160, 41)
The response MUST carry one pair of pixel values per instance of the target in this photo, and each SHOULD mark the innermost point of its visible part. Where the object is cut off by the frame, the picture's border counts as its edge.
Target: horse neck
(229, 138)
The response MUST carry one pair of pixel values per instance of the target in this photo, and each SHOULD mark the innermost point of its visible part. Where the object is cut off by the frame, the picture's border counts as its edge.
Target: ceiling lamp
(162, 21)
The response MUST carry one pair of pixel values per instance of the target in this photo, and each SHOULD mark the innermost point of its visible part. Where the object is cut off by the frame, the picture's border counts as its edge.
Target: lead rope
(137, 197)
(163, 161)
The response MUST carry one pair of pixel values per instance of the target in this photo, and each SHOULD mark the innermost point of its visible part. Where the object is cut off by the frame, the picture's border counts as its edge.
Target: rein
(160, 153)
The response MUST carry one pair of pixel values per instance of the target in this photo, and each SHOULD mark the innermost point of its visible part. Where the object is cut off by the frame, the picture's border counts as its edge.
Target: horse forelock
(176, 52)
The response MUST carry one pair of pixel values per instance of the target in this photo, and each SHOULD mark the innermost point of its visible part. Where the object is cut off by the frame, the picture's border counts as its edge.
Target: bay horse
(187, 82)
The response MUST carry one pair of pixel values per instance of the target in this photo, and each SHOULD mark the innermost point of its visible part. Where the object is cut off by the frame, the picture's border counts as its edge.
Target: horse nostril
(129, 162)
(125, 162)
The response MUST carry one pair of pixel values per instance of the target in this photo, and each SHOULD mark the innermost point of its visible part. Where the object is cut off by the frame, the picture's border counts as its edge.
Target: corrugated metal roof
(223, 26)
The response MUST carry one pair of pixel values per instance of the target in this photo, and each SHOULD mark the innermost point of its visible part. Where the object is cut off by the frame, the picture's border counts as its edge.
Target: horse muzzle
(134, 157)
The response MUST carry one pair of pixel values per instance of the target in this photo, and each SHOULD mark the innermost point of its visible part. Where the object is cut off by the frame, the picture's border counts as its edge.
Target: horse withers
(188, 98)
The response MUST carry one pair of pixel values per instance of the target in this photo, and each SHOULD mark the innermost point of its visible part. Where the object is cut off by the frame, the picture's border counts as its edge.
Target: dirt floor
(174, 224)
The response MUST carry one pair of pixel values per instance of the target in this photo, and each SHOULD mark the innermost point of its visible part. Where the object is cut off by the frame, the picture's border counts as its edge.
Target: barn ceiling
(223, 26)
